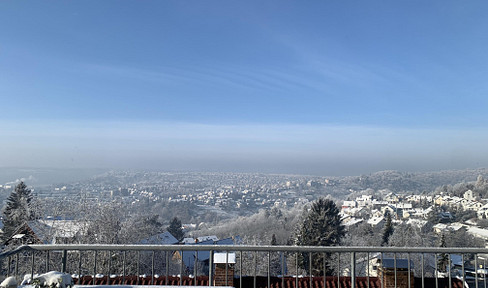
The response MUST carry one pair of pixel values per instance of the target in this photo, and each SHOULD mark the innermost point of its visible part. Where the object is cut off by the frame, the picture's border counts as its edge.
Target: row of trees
(101, 222)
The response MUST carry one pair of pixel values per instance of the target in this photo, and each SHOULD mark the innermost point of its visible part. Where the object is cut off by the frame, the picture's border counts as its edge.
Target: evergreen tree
(321, 226)
(273, 240)
(176, 229)
(388, 230)
(17, 210)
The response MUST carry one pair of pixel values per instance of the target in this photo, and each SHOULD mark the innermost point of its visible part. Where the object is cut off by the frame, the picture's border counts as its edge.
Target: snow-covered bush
(10, 282)
(52, 279)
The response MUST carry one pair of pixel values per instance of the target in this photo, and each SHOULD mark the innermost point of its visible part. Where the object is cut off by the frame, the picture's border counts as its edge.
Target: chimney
(224, 269)
(387, 273)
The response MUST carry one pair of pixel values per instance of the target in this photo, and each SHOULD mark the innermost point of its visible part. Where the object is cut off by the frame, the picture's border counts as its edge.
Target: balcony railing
(253, 266)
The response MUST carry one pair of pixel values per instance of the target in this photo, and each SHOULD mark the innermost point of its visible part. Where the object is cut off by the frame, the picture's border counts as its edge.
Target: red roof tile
(262, 282)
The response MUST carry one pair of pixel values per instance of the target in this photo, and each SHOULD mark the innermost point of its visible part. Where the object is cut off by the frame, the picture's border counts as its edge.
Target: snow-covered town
(420, 210)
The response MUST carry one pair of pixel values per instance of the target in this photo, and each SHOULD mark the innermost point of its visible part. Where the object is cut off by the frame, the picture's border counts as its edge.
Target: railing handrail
(260, 248)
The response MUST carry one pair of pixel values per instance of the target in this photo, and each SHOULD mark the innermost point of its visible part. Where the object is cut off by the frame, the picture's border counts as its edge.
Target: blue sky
(322, 87)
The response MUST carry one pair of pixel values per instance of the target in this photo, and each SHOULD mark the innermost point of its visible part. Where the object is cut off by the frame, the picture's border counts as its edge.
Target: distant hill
(396, 181)
(45, 176)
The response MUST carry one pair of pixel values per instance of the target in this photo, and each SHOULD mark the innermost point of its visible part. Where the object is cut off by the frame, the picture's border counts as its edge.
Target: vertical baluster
(269, 269)
(195, 267)
(79, 267)
(484, 272)
(109, 266)
(64, 261)
(422, 268)
(476, 269)
(325, 271)
(408, 263)
(181, 269)
(353, 270)
(436, 272)
(282, 254)
(210, 267)
(296, 269)
(138, 267)
(95, 267)
(240, 269)
(383, 272)
(338, 270)
(47, 261)
(123, 267)
(152, 267)
(464, 272)
(255, 268)
(310, 268)
(367, 269)
(395, 268)
(449, 263)
(32, 266)
(166, 255)
(226, 268)
(16, 265)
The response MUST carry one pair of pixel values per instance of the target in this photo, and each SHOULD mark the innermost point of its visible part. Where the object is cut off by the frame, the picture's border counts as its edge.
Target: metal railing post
(138, 267)
(210, 268)
(338, 269)
(476, 268)
(240, 269)
(296, 269)
(65, 256)
(268, 271)
(95, 268)
(255, 269)
(152, 267)
(16, 264)
(408, 263)
(449, 263)
(109, 266)
(181, 269)
(195, 268)
(79, 268)
(310, 268)
(367, 269)
(395, 268)
(32, 266)
(353, 270)
(166, 255)
(123, 267)
(464, 274)
(226, 268)
(422, 268)
(324, 277)
(436, 272)
(47, 261)
(484, 271)
(382, 273)
(283, 269)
